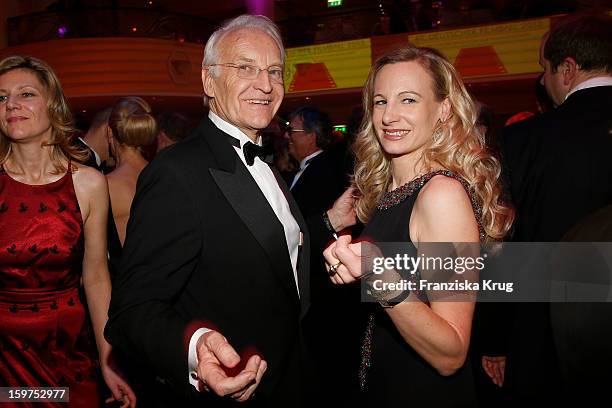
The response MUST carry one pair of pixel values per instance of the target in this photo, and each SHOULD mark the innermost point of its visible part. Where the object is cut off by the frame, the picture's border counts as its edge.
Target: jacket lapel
(303, 268)
(247, 200)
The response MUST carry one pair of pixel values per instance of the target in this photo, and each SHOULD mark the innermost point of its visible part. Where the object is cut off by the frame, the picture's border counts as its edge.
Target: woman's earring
(437, 134)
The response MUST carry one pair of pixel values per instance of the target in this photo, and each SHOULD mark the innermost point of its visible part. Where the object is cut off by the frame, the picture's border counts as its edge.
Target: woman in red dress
(53, 215)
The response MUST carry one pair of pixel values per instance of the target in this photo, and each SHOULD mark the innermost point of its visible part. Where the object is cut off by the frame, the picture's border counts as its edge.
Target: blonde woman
(53, 214)
(133, 127)
(422, 175)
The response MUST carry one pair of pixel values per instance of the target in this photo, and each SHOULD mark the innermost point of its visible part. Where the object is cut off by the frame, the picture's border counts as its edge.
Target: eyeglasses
(247, 71)
(291, 130)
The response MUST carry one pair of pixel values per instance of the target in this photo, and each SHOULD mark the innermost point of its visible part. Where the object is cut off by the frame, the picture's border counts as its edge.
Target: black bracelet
(328, 223)
(396, 300)
(381, 296)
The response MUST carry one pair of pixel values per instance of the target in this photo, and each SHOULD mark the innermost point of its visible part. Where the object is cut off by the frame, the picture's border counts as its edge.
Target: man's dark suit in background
(559, 165)
(559, 173)
(91, 159)
(558, 169)
(319, 185)
(334, 315)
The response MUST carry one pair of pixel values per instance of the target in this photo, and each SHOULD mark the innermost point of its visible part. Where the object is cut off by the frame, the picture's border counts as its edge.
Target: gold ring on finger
(333, 269)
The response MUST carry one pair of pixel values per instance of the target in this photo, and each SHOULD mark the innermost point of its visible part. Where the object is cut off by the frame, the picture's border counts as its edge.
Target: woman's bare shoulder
(89, 180)
(442, 192)
(444, 211)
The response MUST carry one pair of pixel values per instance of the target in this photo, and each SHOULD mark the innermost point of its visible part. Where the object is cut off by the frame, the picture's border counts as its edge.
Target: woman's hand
(345, 261)
(120, 389)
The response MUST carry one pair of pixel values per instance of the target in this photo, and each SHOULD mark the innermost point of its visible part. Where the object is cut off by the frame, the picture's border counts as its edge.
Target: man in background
(97, 140)
(172, 128)
(558, 172)
(320, 180)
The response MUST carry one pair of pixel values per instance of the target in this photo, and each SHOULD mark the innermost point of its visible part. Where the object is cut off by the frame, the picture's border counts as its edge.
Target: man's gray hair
(263, 23)
(245, 21)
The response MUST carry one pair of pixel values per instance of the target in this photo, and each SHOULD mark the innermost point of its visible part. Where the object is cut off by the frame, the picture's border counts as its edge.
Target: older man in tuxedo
(214, 278)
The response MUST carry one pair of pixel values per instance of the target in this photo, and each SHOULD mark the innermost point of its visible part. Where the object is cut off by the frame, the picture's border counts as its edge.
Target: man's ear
(313, 138)
(163, 140)
(569, 68)
(207, 83)
(163, 136)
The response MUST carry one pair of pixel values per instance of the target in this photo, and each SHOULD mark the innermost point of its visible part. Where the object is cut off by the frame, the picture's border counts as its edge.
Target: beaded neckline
(401, 193)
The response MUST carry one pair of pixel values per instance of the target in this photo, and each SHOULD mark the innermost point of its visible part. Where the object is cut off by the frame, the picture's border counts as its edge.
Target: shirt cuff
(192, 358)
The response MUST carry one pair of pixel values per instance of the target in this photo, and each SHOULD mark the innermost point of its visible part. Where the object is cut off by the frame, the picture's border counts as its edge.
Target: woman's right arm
(440, 331)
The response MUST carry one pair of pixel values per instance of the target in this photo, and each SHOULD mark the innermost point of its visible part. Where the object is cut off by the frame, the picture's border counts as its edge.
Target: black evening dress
(392, 373)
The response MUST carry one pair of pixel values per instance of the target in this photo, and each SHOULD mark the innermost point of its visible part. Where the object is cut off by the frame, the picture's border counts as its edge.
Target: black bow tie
(251, 150)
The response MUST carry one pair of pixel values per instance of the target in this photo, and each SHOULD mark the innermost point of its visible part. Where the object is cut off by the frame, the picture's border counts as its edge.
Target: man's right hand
(495, 368)
(342, 213)
(215, 353)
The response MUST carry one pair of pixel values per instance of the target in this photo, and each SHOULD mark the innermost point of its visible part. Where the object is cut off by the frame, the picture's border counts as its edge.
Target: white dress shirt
(264, 177)
(96, 155)
(303, 164)
(591, 83)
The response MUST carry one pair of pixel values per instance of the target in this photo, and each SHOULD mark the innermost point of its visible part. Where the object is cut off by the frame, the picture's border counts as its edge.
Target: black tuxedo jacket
(558, 165)
(557, 168)
(91, 160)
(204, 248)
(320, 184)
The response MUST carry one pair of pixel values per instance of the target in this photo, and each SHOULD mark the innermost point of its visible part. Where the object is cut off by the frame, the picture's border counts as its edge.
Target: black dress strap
(398, 195)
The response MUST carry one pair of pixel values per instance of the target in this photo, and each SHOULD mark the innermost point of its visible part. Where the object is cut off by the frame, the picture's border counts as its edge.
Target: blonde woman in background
(133, 127)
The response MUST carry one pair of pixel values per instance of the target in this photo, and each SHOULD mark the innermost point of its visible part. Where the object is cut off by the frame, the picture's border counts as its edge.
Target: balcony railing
(123, 22)
(297, 30)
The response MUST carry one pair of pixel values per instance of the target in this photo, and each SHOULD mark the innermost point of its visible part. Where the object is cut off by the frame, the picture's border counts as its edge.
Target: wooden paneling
(121, 66)
(95, 72)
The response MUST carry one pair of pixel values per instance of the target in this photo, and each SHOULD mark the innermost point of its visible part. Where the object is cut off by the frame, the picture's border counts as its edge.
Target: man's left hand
(342, 214)
(215, 353)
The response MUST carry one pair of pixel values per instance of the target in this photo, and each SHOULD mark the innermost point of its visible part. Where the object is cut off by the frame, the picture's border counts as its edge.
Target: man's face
(101, 141)
(554, 82)
(301, 143)
(248, 104)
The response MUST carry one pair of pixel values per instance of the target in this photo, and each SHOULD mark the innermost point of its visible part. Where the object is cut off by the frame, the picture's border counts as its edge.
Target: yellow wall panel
(515, 44)
(328, 66)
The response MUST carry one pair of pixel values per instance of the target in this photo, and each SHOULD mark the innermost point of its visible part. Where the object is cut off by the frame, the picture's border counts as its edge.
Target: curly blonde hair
(62, 123)
(457, 144)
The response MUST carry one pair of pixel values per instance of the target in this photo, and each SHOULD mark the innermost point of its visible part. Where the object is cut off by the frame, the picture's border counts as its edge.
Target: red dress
(45, 336)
